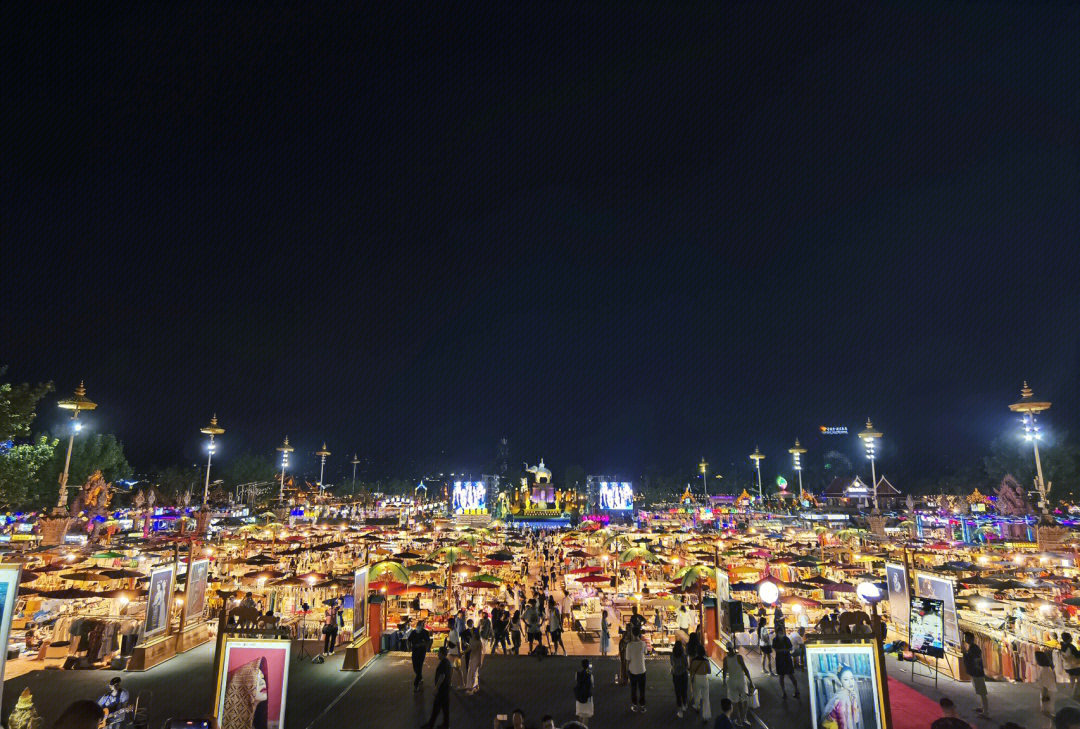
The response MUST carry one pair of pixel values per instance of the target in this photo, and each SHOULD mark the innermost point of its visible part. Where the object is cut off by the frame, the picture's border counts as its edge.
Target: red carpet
(910, 709)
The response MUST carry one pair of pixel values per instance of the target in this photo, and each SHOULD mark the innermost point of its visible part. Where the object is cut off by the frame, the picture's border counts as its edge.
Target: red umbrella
(388, 588)
(479, 585)
(495, 563)
(586, 570)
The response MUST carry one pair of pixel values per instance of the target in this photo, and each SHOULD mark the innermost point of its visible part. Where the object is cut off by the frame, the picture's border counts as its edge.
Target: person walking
(555, 630)
(605, 632)
(737, 683)
(330, 630)
(680, 676)
(973, 664)
(487, 635)
(765, 645)
(1070, 659)
(635, 668)
(532, 619)
(441, 704)
(785, 664)
(683, 620)
(419, 644)
(699, 674)
(583, 692)
(515, 631)
(624, 641)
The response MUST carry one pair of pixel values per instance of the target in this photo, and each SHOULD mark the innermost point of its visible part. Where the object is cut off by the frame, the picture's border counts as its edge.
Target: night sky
(621, 237)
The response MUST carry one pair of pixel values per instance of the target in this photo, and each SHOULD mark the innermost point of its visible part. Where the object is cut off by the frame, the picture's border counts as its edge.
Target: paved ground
(323, 697)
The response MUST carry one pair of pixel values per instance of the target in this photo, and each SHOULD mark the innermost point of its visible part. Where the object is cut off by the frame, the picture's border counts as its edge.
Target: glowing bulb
(768, 592)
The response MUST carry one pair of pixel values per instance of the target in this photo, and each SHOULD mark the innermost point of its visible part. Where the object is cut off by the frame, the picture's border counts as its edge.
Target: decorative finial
(81, 389)
(796, 442)
(213, 419)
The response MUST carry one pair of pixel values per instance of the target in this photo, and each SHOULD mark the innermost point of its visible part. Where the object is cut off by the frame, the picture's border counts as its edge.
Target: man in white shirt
(635, 668)
(683, 620)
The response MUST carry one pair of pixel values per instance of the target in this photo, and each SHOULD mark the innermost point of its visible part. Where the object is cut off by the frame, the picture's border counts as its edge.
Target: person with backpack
(583, 693)
(532, 619)
(699, 675)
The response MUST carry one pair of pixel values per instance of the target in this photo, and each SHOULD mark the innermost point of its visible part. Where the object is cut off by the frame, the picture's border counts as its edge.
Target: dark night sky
(622, 237)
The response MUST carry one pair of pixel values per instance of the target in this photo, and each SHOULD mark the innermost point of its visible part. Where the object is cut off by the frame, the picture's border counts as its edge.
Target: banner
(9, 588)
(252, 683)
(360, 599)
(159, 594)
(195, 595)
(944, 589)
(845, 685)
(926, 634)
(899, 595)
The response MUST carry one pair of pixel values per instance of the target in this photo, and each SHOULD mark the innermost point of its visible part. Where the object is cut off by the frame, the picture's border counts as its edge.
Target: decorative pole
(285, 449)
(756, 457)
(704, 467)
(869, 438)
(323, 453)
(76, 404)
(796, 452)
(1027, 406)
(355, 462)
(210, 430)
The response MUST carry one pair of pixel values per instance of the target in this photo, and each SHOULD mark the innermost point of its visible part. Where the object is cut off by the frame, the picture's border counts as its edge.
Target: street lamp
(76, 404)
(1027, 407)
(869, 438)
(870, 593)
(285, 450)
(796, 452)
(210, 430)
(704, 467)
(756, 457)
(323, 453)
(768, 592)
(355, 461)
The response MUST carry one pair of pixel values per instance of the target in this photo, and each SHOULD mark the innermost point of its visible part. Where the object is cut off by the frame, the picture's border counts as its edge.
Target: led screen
(616, 496)
(468, 496)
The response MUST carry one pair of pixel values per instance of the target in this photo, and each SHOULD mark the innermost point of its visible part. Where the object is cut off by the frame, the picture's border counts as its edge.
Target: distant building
(855, 492)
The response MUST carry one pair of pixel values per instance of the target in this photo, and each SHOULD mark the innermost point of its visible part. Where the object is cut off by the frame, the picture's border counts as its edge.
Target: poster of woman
(195, 600)
(157, 602)
(845, 690)
(252, 683)
(360, 594)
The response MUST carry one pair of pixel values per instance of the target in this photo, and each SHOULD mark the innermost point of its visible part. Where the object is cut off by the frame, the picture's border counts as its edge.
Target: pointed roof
(884, 488)
(840, 485)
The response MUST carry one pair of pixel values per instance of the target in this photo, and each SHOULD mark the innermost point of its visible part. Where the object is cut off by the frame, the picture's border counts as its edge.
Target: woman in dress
(785, 664)
(605, 632)
(680, 676)
(765, 644)
(246, 696)
(583, 693)
(844, 709)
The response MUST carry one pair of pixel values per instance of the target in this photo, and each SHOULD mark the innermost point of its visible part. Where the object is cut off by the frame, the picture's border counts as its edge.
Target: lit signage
(834, 430)
(616, 496)
(468, 496)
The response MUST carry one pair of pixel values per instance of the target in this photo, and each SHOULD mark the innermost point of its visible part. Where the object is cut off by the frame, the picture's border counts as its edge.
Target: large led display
(468, 496)
(616, 496)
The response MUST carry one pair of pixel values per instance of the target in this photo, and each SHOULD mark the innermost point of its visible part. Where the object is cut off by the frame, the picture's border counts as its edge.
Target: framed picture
(159, 595)
(845, 686)
(360, 599)
(926, 635)
(899, 600)
(252, 683)
(944, 589)
(9, 588)
(195, 597)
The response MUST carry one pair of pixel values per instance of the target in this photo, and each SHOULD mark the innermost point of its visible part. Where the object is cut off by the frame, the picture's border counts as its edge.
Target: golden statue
(24, 716)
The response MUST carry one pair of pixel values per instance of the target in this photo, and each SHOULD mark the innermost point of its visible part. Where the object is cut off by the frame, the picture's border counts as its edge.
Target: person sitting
(116, 702)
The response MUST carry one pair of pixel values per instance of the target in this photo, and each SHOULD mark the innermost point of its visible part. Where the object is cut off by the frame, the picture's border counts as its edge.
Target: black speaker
(733, 617)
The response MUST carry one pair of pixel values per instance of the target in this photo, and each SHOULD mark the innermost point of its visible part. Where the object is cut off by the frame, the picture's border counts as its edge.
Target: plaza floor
(323, 697)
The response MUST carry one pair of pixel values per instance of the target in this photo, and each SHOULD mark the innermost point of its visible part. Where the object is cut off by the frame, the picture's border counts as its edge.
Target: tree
(174, 481)
(18, 406)
(20, 471)
(247, 468)
(89, 453)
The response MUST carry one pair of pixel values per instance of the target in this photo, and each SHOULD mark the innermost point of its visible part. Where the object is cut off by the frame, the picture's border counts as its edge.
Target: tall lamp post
(756, 457)
(322, 453)
(1027, 406)
(210, 430)
(796, 453)
(76, 404)
(704, 468)
(355, 462)
(285, 450)
(869, 438)
(870, 593)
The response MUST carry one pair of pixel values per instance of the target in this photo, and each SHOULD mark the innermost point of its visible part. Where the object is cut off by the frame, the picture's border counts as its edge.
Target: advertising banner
(845, 686)
(899, 595)
(927, 632)
(944, 589)
(252, 683)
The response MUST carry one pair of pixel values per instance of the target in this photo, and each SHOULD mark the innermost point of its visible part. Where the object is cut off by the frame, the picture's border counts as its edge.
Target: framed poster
(944, 589)
(252, 683)
(195, 597)
(9, 588)
(159, 594)
(360, 599)
(845, 685)
(926, 634)
(899, 594)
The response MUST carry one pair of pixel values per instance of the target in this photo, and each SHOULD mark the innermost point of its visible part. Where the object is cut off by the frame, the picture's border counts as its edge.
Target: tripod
(301, 634)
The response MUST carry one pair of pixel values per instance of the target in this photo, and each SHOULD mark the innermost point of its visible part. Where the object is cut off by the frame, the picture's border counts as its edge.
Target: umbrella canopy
(586, 570)
(501, 554)
(422, 567)
(577, 553)
(107, 555)
(390, 568)
(594, 578)
(71, 593)
(407, 555)
(85, 576)
(479, 585)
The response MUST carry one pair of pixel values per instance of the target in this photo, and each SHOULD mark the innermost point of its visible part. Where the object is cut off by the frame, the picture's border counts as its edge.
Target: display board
(159, 594)
(360, 599)
(252, 683)
(616, 496)
(926, 634)
(9, 588)
(896, 578)
(195, 593)
(845, 685)
(468, 496)
(944, 589)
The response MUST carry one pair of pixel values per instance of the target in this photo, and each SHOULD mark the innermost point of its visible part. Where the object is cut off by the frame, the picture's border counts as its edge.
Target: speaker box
(732, 617)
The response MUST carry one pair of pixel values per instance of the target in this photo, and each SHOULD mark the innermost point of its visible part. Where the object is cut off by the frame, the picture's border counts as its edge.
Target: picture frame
(845, 678)
(252, 683)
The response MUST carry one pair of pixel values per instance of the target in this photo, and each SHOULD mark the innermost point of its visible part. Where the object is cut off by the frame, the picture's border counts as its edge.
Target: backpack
(583, 688)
